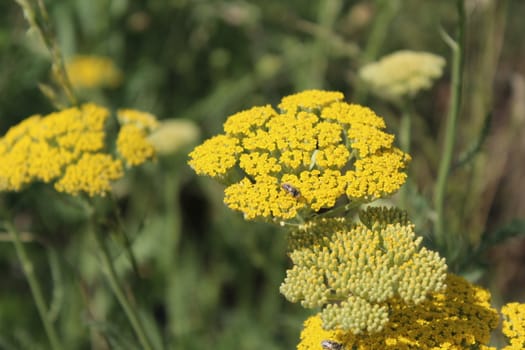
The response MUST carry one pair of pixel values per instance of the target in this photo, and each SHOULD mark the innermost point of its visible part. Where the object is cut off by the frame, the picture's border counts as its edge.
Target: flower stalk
(43, 29)
(405, 139)
(118, 290)
(386, 12)
(34, 285)
(457, 48)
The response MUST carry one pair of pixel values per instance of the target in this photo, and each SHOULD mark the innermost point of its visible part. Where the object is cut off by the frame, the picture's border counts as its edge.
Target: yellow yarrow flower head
(352, 271)
(93, 71)
(402, 73)
(132, 141)
(312, 154)
(514, 325)
(68, 149)
(457, 318)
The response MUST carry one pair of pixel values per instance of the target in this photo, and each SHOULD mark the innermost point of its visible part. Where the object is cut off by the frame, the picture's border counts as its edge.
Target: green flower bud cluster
(352, 271)
(355, 315)
(380, 217)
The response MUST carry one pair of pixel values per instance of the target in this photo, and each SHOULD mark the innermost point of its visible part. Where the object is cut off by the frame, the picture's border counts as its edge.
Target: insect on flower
(331, 345)
(291, 190)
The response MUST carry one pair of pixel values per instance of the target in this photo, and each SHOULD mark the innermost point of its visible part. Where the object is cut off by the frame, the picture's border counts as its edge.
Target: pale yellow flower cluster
(93, 71)
(457, 318)
(172, 135)
(352, 271)
(402, 73)
(304, 158)
(67, 148)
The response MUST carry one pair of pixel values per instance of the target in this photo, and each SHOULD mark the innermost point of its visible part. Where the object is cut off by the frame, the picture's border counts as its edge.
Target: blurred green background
(207, 279)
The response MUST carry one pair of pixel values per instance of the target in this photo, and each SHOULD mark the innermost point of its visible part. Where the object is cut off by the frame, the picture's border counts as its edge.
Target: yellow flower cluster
(514, 325)
(317, 150)
(91, 174)
(402, 73)
(132, 142)
(93, 71)
(456, 319)
(352, 271)
(67, 148)
(142, 120)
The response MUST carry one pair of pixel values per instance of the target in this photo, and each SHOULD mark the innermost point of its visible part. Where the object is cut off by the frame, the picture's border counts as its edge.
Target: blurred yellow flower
(402, 73)
(93, 71)
(140, 119)
(91, 174)
(132, 141)
(458, 318)
(41, 147)
(319, 146)
(68, 148)
(133, 145)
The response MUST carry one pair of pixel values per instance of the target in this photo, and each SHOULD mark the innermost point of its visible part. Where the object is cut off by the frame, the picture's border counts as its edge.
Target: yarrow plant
(314, 154)
(317, 165)
(69, 149)
(314, 163)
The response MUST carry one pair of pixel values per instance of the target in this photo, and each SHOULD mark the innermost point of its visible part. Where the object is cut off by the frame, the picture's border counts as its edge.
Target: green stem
(385, 13)
(43, 28)
(405, 127)
(59, 68)
(34, 285)
(327, 15)
(405, 138)
(451, 123)
(342, 209)
(130, 311)
(121, 230)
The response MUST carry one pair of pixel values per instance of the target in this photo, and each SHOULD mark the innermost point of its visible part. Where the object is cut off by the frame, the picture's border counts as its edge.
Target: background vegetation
(207, 279)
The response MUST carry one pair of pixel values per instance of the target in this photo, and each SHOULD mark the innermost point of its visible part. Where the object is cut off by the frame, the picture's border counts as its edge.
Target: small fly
(291, 190)
(331, 345)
